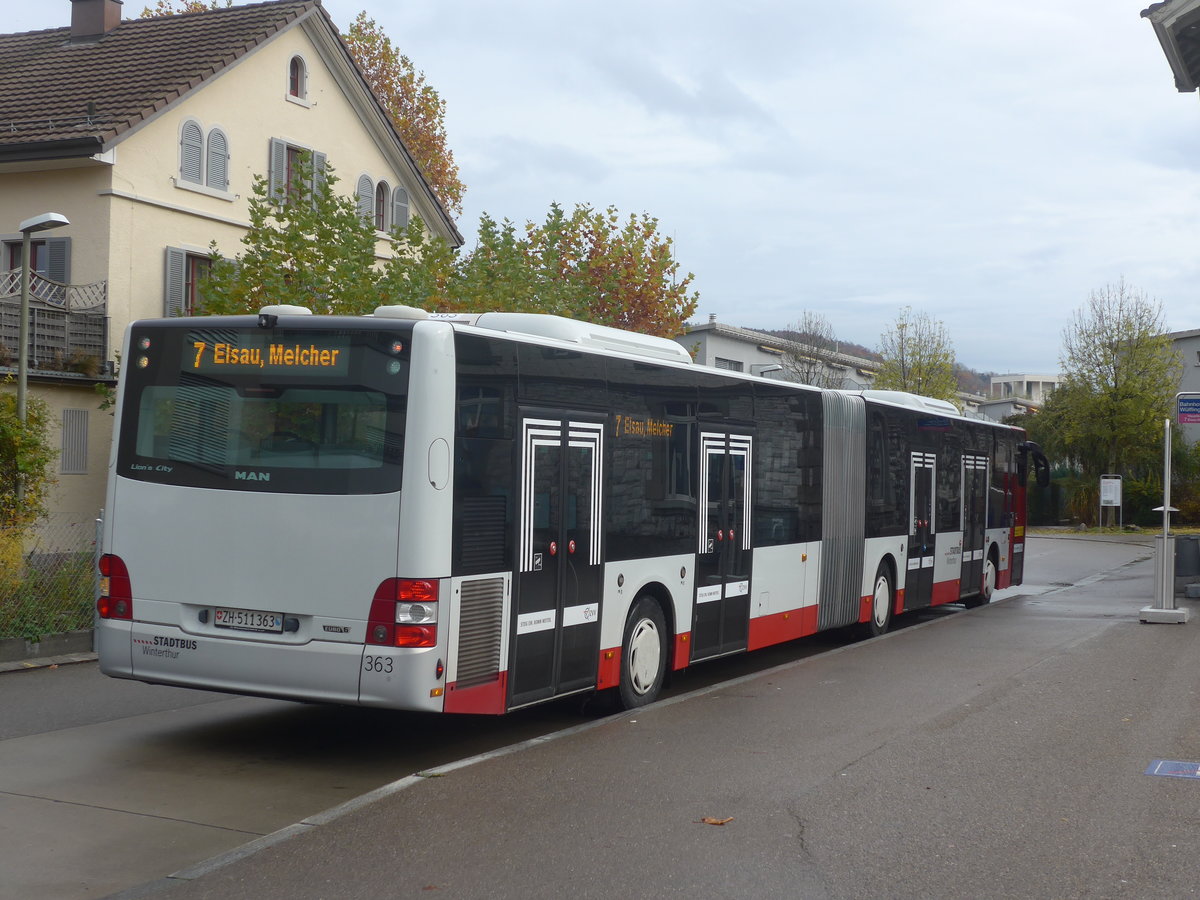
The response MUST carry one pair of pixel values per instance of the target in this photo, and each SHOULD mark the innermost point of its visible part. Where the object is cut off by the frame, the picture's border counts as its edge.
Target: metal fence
(47, 579)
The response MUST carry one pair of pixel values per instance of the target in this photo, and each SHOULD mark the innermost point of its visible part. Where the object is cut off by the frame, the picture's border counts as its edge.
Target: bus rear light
(404, 613)
(116, 591)
(416, 635)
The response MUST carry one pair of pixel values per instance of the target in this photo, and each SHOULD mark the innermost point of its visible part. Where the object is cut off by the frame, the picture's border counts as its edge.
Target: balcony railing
(68, 325)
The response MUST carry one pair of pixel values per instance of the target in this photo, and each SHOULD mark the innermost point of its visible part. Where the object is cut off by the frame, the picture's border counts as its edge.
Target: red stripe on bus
(683, 651)
(608, 675)
(483, 699)
(780, 627)
(945, 592)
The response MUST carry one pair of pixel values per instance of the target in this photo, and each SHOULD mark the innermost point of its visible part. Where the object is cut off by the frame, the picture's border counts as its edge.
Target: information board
(1110, 490)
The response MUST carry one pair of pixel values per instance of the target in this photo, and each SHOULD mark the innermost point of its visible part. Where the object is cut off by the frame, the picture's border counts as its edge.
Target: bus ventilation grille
(481, 542)
(480, 627)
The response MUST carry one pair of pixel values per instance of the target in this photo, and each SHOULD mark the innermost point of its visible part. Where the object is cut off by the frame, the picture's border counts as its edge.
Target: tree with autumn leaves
(309, 246)
(416, 109)
(587, 264)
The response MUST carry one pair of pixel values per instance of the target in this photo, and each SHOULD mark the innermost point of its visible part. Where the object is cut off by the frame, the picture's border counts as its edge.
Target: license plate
(248, 620)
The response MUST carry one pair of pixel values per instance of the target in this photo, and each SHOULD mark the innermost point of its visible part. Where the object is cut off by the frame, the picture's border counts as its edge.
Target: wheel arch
(662, 596)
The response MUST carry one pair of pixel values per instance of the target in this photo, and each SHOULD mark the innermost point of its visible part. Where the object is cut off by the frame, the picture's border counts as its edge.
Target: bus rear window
(334, 431)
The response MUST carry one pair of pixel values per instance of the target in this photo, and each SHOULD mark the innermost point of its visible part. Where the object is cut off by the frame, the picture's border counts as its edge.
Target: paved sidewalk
(1000, 752)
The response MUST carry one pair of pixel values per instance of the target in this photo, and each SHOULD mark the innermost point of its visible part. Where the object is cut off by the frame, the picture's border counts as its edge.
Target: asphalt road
(106, 785)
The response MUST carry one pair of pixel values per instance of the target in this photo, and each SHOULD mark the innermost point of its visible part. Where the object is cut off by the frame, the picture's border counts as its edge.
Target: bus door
(918, 584)
(721, 617)
(974, 520)
(556, 624)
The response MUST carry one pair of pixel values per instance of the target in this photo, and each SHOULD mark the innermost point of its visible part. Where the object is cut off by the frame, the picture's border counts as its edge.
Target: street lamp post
(44, 222)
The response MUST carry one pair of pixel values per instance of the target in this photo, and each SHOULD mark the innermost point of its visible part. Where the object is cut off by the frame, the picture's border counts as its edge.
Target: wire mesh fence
(47, 579)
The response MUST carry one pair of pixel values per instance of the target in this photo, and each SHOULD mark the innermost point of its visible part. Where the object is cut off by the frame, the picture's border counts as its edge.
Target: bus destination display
(330, 356)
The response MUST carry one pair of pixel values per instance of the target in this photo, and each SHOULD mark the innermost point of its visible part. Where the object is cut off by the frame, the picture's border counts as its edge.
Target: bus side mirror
(1030, 452)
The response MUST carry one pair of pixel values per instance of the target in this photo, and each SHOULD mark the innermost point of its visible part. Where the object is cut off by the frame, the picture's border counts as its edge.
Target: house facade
(147, 135)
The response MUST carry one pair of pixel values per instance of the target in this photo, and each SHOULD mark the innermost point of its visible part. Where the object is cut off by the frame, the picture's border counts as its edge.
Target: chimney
(94, 18)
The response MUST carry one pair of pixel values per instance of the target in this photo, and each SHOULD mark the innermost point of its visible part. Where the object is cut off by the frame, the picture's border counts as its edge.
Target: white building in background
(736, 349)
(1033, 388)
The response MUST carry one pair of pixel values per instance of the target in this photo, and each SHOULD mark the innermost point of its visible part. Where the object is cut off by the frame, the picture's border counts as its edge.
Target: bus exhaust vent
(481, 625)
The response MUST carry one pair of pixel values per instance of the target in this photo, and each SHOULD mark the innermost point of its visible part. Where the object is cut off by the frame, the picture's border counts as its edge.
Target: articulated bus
(472, 514)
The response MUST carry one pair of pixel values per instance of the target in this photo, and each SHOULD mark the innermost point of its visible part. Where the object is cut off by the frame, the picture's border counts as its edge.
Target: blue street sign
(1189, 409)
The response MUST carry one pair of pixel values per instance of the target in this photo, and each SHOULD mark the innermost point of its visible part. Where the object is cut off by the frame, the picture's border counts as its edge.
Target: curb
(46, 662)
(50, 650)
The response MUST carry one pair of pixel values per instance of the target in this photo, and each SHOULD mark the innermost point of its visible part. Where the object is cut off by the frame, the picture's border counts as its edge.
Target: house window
(185, 273)
(203, 160)
(297, 79)
(382, 196)
(400, 208)
(733, 365)
(191, 154)
(365, 191)
(50, 258)
(216, 170)
(73, 458)
(288, 170)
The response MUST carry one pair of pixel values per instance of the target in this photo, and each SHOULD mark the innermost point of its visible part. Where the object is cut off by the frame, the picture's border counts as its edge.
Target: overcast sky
(990, 163)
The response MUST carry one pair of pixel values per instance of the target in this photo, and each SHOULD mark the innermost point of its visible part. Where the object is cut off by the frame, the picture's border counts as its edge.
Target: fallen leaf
(708, 820)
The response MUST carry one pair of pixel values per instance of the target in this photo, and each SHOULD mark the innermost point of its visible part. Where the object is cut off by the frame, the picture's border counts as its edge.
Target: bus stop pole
(1164, 609)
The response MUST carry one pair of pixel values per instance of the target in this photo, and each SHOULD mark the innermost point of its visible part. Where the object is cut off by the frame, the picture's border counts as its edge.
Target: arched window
(216, 170)
(400, 208)
(297, 78)
(382, 195)
(366, 199)
(191, 142)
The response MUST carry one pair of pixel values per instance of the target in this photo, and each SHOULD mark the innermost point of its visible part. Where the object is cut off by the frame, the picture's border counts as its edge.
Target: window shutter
(58, 259)
(277, 169)
(366, 199)
(74, 441)
(217, 174)
(192, 143)
(318, 163)
(400, 208)
(176, 269)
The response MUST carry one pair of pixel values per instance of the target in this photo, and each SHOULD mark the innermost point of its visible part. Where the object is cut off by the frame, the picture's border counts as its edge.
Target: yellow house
(146, 134)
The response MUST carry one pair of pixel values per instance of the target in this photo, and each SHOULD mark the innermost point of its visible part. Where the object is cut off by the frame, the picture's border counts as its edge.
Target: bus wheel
(989, 580)
(882, 603)
(987, 588)
(643, 654)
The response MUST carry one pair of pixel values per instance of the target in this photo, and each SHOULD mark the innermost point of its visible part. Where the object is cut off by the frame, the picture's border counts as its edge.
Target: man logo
(251, 476)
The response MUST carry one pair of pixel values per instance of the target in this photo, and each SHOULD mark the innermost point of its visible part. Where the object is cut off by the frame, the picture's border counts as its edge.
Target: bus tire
(989, 579)
(643, 654)
(883, 603)
(987, 588)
